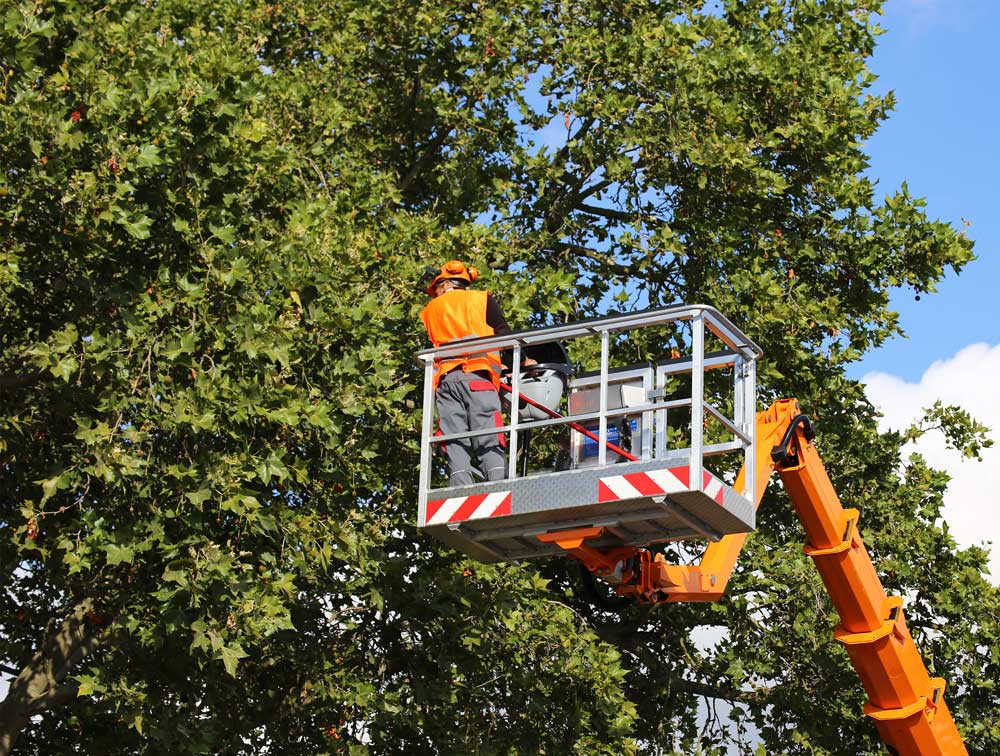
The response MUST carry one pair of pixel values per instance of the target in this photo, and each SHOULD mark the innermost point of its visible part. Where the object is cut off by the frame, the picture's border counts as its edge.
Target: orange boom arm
(905, 702)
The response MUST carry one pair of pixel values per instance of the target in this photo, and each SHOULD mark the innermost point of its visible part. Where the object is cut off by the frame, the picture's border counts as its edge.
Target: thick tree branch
(640, 645)
(606, 212)
(557, 212)
(590, 191)
(54, 698)
(429, 152)
(20, 380)
(722, 693)
(603, 259)
(581, 132)
(619, 215)
(39, 686)
(573, 201)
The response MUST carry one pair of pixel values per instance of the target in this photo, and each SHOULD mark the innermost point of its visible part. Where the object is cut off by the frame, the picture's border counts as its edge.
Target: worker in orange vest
(466, 387)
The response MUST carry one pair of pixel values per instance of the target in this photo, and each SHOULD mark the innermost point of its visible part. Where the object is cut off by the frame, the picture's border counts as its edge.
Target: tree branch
(619, 215)
(572, 201)
(20, 380)
(581, 132)
(606, 212)
(424, 159)
(557, 212)
(53, 698)
(39, 686)
(591, 190)
(722, 693)
(600, 186)
(628, 639)
(599, 257)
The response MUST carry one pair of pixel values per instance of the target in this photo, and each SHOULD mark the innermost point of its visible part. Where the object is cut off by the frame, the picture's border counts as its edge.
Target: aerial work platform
(641, 450)
(640, 435)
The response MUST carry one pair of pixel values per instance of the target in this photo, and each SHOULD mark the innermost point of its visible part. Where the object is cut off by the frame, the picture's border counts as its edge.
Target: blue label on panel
(590, 445)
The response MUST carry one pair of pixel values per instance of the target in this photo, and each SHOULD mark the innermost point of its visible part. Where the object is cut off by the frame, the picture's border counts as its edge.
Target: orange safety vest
(460, 314)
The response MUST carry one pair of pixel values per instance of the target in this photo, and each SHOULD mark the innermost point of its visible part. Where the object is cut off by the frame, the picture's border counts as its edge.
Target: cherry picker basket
(668, 485)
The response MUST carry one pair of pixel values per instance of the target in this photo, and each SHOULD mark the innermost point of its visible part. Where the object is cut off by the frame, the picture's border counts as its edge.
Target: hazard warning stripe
(462, 508)
(712, 487)
(656, 483)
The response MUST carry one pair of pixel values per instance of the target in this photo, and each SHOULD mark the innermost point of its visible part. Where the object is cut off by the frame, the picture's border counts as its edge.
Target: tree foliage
(213, 217)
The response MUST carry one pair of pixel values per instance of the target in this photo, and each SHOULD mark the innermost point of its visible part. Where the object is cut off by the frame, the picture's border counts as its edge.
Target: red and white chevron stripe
(656, 483)
(461, 508)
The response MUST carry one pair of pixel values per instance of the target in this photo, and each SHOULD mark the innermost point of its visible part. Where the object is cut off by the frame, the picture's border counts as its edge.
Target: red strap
(498, 421)
(482, 386)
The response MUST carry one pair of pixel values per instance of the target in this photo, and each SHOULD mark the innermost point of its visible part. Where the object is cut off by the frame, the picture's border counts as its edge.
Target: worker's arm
(496, 321)
(495, 318)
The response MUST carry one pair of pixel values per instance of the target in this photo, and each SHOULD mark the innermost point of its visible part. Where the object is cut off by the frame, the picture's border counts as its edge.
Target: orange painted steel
(706, 581)
(906, 704)
(605, 564)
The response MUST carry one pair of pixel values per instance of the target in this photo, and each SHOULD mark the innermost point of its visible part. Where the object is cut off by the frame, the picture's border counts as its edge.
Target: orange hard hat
(453, 270)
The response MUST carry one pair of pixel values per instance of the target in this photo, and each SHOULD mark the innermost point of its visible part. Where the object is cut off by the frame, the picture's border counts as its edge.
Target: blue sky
(941, 59)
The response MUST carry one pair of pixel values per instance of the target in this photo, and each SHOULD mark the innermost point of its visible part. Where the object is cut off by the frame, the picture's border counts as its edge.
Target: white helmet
(544, 382)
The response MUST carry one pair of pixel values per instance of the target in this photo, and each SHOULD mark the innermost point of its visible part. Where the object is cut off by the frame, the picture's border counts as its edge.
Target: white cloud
(968, 379)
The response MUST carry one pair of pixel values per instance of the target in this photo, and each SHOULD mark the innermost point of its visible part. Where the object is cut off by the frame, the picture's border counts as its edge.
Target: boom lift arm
(905, 702)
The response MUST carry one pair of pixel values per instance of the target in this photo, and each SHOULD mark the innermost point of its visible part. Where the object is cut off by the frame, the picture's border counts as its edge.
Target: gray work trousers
(465, 402)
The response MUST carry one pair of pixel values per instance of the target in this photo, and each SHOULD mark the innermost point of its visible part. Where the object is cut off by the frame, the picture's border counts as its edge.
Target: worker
(466, 387)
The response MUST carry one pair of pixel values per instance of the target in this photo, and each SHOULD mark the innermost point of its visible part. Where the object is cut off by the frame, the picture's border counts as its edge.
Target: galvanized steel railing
(739, 352)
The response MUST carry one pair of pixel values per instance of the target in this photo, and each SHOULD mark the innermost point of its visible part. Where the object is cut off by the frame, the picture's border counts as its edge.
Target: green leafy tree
(213, 216)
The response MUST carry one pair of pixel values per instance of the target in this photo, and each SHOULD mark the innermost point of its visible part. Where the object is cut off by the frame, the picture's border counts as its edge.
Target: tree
(214, 215)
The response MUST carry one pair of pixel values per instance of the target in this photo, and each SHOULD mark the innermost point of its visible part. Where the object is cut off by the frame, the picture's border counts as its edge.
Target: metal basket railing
(736, 351)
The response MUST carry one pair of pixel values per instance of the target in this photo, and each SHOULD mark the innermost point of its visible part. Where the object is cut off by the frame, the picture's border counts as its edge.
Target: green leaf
(118, 554)
(225, 234)
(88, 685)
(137, 226)
(272, 467)
(231, 656)
(65, 368)
(65, 339)
(199, 497)
(50, 486)
(149, 155)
